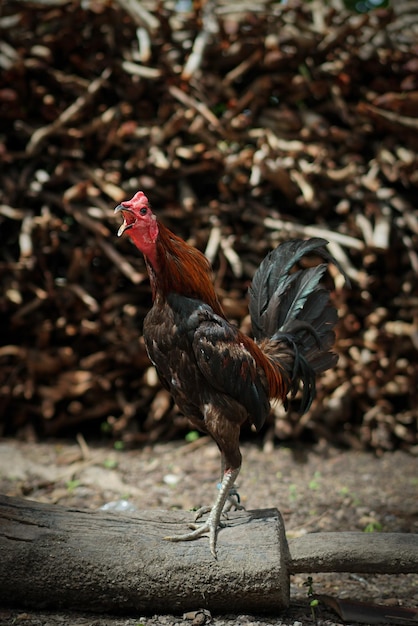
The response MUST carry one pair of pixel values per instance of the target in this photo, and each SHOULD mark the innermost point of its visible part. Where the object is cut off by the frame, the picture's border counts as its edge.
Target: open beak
(125, 225)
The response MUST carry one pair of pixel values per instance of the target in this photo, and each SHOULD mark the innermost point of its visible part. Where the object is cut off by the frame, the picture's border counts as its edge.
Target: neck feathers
(179, 268)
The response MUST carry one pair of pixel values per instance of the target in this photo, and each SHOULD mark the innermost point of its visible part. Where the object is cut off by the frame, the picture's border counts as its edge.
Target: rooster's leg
(212, 524)
(233, 500)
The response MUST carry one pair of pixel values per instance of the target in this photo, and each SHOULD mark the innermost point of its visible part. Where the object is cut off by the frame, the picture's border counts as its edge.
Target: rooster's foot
(233, 501)
(202, 511)
(210, 526)
(227, 498)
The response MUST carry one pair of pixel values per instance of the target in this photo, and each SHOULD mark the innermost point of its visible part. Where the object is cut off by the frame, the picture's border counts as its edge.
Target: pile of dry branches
(245, 125)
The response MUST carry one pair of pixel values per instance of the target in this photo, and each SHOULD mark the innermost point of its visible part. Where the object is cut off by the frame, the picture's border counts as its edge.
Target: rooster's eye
(143, 211)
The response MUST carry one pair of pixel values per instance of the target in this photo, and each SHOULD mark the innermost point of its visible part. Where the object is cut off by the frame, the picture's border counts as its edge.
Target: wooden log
(366, 553)
(66, 558)
(57, 557)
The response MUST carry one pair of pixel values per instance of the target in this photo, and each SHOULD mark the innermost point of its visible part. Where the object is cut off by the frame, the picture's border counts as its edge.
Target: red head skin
(141, 224)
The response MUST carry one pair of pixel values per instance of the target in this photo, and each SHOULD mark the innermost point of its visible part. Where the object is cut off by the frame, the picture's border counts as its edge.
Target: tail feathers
(313, 331)
(292, 316)
(289, 303)
(272, 281)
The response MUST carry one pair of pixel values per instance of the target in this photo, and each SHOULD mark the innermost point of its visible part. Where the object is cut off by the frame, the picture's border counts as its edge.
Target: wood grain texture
(58, 557)
(373, 553)
(67, 558)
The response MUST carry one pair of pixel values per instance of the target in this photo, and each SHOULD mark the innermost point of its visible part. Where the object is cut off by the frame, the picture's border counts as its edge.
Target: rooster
(219, 377)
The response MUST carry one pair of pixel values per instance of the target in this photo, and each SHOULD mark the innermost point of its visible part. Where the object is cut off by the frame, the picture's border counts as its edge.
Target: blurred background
(245, 124)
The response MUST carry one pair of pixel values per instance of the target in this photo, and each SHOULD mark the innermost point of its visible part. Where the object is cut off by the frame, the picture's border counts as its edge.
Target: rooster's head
(140, 222)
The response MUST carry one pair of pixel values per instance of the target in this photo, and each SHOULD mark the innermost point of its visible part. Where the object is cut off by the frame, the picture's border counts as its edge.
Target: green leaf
(72, 484)
(110, 463)
(373, 527)
(192, 436)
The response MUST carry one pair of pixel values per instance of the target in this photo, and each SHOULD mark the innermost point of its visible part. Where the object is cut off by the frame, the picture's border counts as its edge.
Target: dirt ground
(316, 489)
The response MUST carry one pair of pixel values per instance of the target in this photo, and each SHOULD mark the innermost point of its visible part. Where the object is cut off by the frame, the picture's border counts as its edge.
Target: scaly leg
(232, 500)
(212, 524)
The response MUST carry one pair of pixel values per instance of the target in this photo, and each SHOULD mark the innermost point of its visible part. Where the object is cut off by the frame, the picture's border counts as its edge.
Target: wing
(224, 357)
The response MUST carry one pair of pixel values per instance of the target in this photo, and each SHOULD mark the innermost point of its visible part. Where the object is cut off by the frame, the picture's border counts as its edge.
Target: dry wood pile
(245, 124)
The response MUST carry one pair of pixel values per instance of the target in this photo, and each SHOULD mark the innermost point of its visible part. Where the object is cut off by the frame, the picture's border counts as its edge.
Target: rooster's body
(219, 377)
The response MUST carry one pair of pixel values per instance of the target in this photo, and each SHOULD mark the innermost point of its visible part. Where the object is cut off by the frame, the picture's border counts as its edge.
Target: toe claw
(211, 527)
(200, 512)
